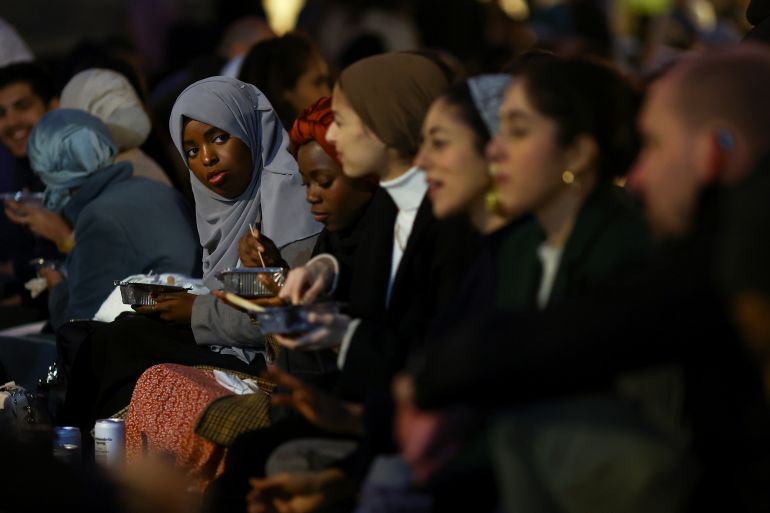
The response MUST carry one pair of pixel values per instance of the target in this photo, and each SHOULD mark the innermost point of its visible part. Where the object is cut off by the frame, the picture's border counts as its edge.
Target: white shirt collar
(407, 190)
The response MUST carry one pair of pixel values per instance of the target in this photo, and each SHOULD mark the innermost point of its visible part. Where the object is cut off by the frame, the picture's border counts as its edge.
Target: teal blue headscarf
(65, 148)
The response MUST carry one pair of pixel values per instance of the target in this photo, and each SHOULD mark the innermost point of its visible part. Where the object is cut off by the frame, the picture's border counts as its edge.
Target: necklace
(397, 235)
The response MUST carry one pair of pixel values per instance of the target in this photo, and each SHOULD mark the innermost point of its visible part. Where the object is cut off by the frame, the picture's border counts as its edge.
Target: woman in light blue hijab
(274, 197)
(235, 121)
(66, 149)
(122, 225)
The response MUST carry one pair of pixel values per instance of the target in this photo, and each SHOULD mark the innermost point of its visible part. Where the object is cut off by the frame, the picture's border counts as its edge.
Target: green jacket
(610, 234)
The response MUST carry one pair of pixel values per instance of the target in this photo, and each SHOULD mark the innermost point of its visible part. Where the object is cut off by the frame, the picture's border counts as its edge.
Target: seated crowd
(540, 290)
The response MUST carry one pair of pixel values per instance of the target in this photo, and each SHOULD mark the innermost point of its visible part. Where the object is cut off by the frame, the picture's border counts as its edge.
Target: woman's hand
(328, 334)
(427, 440)
(252, 245)
(52, 276)
(299, 493)
(41, 221)
(176, 307)
(318, 407)
(305, 284)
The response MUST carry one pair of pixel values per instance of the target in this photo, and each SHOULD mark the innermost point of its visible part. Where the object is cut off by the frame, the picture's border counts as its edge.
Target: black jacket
(758, 14)
(432, 267)
(669, 312)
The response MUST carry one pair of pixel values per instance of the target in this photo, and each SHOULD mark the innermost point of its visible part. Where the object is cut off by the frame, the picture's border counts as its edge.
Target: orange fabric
(161, 419)
(312, 125)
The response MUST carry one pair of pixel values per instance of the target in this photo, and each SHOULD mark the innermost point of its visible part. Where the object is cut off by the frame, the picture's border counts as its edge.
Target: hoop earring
(492, 200)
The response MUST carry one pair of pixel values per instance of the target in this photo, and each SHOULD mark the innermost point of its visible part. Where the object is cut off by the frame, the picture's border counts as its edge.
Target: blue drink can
(67, 435)
(67, 444)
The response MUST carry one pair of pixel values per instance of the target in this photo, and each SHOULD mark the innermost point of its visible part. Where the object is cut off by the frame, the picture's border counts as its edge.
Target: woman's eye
(221, 138)
(191, 152)
(325, 184)
(438, 143)
(517, 132)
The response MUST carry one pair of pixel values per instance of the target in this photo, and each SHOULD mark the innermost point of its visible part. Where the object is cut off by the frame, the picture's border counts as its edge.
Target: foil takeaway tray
(245, 281)
(141, 293)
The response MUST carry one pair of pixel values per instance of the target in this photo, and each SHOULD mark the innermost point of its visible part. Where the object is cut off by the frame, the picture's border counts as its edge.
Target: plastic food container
(141, 293)
(245, 281)
(42, 263)
(292, 319)
(23, 197)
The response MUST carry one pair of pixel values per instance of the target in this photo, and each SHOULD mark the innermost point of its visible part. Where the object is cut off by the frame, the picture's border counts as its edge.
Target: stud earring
(569, 178)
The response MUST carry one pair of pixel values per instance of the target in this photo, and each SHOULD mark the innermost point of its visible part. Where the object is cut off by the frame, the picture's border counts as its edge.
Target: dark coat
(669, 312)
(123, 225)
(609, 235)
(17, 243)
(609, 238)
(758, 14)
(320, 367)
(343, 245)
(430, 272)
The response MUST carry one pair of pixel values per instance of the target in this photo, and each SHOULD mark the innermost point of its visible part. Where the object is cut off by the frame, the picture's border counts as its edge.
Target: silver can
(110, 442)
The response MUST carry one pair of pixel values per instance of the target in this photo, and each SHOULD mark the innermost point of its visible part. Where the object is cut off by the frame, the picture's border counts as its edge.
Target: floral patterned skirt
(165, 409)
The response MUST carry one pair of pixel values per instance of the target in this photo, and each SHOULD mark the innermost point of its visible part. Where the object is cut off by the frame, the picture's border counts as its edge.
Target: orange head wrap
(312, 125)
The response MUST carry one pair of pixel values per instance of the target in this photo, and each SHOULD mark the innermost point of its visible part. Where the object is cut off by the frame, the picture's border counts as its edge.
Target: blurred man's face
(665, 173)
(20, 110)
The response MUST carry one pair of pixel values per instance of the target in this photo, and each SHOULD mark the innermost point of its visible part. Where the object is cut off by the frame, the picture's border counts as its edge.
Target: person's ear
(725, 139)
(712, 152)
(582, 154)
(53, 103)
(751, 310)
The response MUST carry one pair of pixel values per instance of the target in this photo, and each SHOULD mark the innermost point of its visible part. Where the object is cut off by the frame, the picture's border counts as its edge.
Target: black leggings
(111, 359)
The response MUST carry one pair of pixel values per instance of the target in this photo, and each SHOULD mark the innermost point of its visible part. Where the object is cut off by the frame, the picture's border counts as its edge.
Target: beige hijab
(391, 93)
(109, 96)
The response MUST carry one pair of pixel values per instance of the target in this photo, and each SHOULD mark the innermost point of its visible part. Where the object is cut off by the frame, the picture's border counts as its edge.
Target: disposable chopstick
(254, 234)
(242, 303)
